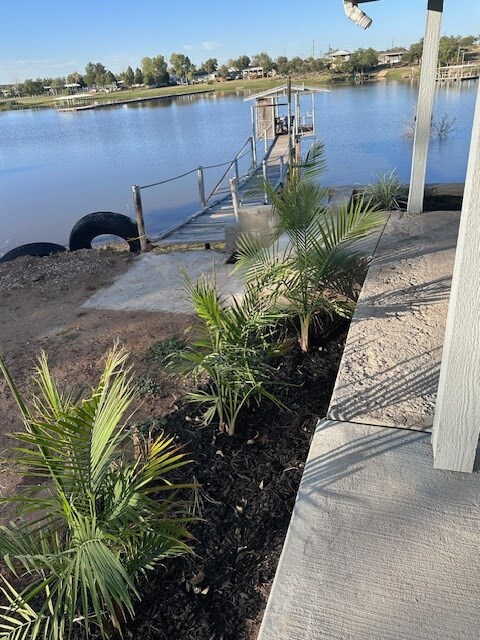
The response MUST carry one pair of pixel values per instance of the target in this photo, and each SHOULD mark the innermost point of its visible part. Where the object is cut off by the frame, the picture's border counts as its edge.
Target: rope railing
(248, 148)
(211, 166)
(156, 184)
(234, 162)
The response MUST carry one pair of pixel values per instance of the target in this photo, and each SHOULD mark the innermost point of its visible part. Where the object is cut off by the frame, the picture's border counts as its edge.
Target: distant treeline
(157, 71)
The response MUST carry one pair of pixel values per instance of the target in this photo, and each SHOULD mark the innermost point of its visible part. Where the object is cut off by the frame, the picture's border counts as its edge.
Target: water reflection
(56, 167)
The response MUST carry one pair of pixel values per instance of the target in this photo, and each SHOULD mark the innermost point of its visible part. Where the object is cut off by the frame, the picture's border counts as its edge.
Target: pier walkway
(82, 102)
(208, 225)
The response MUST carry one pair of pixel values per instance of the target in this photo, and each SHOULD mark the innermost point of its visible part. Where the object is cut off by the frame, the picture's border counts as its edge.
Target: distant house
(204, 77)
(253, 72)
(390, 57)
(72, 87)
(337, 57)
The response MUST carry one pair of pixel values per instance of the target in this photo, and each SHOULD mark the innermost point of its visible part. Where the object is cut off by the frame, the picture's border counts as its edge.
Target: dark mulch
(249, 483)
(431, 201)
(442, 203)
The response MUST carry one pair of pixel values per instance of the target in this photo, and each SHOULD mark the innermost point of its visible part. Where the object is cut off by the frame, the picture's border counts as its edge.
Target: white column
(457, 413)
(426, 93)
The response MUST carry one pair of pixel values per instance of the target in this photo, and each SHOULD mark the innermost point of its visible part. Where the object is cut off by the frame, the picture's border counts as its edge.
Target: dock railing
(241, 169)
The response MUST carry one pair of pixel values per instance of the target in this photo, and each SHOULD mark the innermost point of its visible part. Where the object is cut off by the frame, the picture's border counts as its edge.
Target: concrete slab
(390, 367)
(380, 546)
(155, 282)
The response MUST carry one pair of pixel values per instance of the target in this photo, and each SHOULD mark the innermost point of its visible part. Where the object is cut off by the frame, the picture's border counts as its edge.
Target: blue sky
(42, 38)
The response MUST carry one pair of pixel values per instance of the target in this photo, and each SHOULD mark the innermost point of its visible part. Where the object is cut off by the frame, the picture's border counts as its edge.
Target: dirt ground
(248, 482)
(40, 309)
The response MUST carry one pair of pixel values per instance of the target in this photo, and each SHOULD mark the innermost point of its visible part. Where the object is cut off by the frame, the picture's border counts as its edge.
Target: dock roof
(283, 89)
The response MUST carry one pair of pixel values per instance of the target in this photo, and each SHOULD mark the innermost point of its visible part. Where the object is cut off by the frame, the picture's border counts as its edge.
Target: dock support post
(282, 169)
(201, 187)
(137, 199)
(237, 175)
(426, 93)
(265, 180)
(265, 143)
(254, 152)
(234, 192)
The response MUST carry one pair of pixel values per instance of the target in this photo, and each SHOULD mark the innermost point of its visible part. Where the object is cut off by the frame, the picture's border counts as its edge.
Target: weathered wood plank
(210, 225)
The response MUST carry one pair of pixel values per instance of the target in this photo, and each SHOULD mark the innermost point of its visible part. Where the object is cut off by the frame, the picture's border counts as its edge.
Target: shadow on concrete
(327, 469)
(403, 300)
(389, 387)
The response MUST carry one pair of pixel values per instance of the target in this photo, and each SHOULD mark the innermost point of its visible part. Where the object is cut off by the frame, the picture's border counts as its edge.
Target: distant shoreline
(114, 103)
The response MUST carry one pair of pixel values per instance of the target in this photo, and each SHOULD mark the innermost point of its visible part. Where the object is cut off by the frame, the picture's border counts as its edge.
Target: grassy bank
(318, 80)
(48, 102)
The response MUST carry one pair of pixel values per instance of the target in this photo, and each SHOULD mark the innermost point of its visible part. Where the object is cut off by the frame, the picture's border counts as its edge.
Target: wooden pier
(278, 125)
(82, 102)
(208, 225)
(458, 72)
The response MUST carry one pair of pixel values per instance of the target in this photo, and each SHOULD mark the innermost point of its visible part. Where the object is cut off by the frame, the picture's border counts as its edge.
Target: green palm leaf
(99, 520)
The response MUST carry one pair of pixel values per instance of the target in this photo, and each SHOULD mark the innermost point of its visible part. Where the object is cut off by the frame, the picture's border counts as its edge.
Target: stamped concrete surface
(381, 546)
(390, 367)
(155, 282)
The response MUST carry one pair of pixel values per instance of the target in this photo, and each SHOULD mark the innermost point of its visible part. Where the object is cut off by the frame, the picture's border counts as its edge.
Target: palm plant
(94, 524)
(324, 255)
(234, 343)
(387, 192)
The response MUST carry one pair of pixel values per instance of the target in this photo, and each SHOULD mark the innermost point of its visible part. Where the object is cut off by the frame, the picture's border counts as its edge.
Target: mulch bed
(431, 201)
(249, 484)
(442, 202)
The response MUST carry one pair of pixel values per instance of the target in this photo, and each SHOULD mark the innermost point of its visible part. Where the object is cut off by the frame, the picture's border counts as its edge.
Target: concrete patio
(381, 545)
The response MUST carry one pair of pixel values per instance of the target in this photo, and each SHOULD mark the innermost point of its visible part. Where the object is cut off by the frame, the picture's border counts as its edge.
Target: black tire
(38, 249)
(104, 222)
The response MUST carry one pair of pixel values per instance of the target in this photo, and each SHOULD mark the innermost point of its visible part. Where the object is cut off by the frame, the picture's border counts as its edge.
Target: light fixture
(356, 14)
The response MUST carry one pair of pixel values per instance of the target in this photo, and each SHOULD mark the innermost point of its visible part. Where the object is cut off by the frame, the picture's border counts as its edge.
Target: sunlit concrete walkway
(155, 282)
(381, 546)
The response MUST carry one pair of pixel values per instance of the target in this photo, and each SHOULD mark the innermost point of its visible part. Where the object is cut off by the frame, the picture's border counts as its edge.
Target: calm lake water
(57, 167)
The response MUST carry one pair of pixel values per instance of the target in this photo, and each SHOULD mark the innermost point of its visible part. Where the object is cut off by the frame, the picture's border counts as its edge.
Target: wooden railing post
(201, 187)
(265, 179)
(234, 192)
(254, 152)
(137, 199)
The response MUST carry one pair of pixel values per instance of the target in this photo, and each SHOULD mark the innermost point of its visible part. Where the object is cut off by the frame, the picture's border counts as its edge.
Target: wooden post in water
(234, 192)
(201, 187)
(137, 199)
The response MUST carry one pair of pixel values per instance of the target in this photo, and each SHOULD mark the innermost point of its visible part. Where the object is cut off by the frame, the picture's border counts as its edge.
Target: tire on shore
(104, 223)
(37, 249)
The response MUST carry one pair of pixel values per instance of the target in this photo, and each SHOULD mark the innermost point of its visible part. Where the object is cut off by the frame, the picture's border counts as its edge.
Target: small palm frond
(18, 621)
(262, 266)
(348, 223)
(314, 164)
(102, 518)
